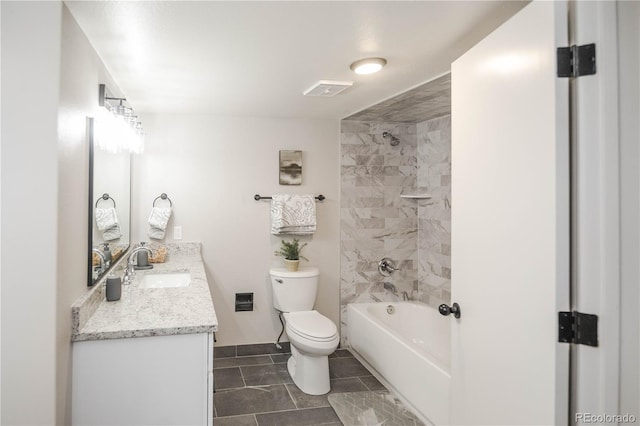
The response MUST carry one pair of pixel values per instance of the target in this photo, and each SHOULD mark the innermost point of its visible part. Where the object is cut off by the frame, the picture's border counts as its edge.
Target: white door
(510, 223)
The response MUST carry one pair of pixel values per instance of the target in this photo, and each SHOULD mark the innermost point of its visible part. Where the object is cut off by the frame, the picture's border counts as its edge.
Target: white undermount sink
(166, 280)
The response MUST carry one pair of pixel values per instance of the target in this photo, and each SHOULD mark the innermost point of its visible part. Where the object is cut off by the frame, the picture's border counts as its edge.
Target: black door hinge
(576, 327)
(576, 61)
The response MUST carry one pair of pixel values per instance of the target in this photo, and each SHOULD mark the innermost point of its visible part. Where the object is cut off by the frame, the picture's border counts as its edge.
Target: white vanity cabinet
(146, 359)
(154, 380)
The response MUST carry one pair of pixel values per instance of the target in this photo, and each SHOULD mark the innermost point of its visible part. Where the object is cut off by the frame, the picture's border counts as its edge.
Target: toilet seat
(311, 325)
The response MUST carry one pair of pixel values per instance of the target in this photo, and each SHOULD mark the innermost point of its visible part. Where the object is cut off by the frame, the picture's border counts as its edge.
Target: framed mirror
(109, 204)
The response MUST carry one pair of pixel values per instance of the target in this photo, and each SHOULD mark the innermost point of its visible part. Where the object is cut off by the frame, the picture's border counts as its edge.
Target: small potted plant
(290, 250)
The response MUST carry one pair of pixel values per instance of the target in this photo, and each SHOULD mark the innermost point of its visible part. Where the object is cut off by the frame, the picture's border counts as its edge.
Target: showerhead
(394, 140)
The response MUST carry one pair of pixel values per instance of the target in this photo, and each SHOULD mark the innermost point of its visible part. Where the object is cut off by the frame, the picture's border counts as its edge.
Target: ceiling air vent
(327, 88)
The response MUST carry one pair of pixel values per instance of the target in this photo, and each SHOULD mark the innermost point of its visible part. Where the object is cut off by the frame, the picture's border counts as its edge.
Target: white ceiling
(256, 58)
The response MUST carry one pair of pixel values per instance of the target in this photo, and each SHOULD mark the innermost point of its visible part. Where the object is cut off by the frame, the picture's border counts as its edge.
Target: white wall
(50, 77)
(81, 71)
(30, 93)
(211, 167)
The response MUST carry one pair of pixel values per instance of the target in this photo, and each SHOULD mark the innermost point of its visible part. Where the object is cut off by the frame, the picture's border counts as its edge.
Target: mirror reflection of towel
(112, 233)
(158, 220)
(107, 223)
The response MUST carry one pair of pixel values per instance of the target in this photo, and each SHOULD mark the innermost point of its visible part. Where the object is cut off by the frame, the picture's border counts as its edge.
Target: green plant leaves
(290, 250)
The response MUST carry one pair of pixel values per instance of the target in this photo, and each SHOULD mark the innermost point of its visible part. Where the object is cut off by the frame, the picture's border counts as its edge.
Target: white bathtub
(409, 351)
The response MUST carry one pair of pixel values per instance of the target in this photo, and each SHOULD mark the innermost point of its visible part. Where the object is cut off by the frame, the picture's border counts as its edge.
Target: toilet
(313, 337)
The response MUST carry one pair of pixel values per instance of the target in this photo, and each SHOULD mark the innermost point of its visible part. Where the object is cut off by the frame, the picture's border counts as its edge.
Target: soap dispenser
(114, 288)
(107, 254)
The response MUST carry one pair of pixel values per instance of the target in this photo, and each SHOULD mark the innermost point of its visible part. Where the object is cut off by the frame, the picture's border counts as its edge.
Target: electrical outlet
(177, 232)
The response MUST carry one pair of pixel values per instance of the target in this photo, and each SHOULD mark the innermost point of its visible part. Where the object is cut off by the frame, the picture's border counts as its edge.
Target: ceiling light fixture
(368, 65)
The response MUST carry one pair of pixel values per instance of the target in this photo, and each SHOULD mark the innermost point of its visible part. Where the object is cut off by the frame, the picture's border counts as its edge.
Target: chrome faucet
(103, 260)
(129, 272)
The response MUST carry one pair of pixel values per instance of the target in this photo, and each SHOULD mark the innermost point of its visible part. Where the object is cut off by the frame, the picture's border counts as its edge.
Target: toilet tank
(294, 291)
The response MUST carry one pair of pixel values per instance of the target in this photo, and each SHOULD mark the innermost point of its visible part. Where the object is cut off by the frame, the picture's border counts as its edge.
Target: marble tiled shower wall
(376, 222)
(434, 215)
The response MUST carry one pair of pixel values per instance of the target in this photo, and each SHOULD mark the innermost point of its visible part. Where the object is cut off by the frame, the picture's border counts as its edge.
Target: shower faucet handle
(386, 267)
(447, 310)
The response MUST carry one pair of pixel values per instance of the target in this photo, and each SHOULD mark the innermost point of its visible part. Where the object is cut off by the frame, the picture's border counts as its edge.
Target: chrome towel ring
(162, 196)
(106, 197)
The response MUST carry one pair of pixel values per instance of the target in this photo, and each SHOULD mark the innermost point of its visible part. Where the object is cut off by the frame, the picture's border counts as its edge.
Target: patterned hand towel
(293, 214)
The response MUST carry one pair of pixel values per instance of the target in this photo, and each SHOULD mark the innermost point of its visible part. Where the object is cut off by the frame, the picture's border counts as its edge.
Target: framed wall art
(290, 167)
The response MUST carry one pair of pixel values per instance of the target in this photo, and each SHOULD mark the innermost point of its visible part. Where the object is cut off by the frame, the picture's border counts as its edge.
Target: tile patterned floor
(372, 408)
(253, 387)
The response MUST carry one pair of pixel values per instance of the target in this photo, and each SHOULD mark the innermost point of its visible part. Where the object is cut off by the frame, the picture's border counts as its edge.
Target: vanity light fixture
(368, 65)
(120, 130)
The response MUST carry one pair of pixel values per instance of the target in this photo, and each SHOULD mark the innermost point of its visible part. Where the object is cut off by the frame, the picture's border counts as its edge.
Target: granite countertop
(144, 312)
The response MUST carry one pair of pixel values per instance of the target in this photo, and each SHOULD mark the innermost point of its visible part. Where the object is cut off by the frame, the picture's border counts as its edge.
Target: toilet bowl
(313, 337)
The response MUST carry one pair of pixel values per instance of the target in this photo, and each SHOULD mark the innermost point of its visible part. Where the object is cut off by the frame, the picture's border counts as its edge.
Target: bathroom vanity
(147, 358)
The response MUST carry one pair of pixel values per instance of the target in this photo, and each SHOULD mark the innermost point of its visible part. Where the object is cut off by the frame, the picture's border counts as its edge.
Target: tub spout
(391, 288)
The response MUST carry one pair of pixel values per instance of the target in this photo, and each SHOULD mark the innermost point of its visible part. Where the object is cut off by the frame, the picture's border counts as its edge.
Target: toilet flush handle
(278, 280)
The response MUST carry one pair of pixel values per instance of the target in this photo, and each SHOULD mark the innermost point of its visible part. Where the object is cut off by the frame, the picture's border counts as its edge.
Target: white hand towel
(106, 218)
(159, 217)
(158, 220)
(293, 214)
(156, 233)
(107, 223)
(112, 233)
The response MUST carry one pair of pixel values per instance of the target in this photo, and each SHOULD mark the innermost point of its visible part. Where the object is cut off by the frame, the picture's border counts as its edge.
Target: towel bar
(162, 196)
(259, 197)
(106, 197)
